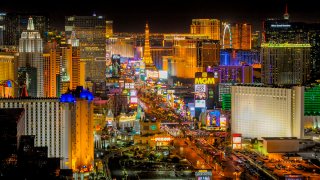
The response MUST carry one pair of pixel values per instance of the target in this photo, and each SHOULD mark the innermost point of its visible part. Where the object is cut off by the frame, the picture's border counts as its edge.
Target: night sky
(167, 15)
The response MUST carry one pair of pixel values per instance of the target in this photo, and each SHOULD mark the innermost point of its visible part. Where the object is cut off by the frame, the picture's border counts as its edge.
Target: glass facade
(285, 63)
(226, 102)
(312, 101)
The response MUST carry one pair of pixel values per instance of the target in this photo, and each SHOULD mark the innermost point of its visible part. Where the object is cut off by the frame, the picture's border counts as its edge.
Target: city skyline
(167, 16)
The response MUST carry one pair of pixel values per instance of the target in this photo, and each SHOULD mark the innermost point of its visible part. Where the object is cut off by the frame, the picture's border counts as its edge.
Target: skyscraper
(209, 27)
(15, 24)
(194, 55)
(109, 29)
(241, 36)
(285, 63)
(50, 78)
(30, 56)
(78, 144)
(91, 32)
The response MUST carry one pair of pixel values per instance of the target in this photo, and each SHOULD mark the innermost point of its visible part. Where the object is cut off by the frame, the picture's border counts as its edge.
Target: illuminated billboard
(200, 88)
(133, 100)
(236, 141)
(129, 85)
(203, 175)
(152, 74)
(204, 78)
(133, 92)
(214, 118)
(162, 139)
(116, 65)
(200, 96)
(200, 103)
(163, 74)
(223, 121)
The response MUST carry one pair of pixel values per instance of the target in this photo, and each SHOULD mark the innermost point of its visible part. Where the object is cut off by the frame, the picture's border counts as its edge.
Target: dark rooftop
(11, 114)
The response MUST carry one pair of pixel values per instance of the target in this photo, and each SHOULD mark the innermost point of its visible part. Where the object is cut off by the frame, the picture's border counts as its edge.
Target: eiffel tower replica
(147, 59)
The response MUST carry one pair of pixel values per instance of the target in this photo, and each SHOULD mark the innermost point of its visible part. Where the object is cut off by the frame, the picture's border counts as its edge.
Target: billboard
(152, 74)
(204, 78)
(129, 85)
(163, 74)
(200, 103)
(133, 100)
(200, 88)
(116, 65)
(203, 175)
(223, 121)
(133, 92)
(236, 141)
(214, 118)
(200, 96)
(293, 177)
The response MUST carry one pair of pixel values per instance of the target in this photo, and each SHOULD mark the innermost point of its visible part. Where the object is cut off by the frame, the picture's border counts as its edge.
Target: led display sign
(204, 78)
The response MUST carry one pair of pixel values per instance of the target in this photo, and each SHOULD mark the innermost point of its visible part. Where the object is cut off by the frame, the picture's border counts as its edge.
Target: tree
(152, 157)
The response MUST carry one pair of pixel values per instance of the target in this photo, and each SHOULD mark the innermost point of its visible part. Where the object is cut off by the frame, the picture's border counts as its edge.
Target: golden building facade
(8, 70)
(76, 69)
(241, 36)
(82, 135)
(63, 62)
(78, 142)
(209, 27)
(50, 81)
(194, 55)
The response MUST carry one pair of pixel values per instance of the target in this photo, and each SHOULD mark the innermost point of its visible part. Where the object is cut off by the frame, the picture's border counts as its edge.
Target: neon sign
(162, 139)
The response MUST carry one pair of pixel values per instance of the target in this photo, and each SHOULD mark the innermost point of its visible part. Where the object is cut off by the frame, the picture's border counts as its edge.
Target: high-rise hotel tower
(30, 65)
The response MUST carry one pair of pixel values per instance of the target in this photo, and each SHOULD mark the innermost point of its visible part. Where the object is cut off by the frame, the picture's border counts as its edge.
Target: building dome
(86, 95)
(67, 98)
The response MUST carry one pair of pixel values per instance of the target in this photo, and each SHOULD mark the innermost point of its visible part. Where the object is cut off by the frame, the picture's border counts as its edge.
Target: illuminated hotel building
(109, 29)
(50, 76)
(8, 69)
(42, 119)
(241, 36)
(31, 57)
(236, 36)
(77, 66)
(209, 27)
(91, 32)
(239, 57)
(194, 55)
(283, 31)
(267, 111)
(158, 52)
(16, 23)
(65, 68)
(78, 144)
(235, 74)
(62, 68)
(285, 63)
(120, 45)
